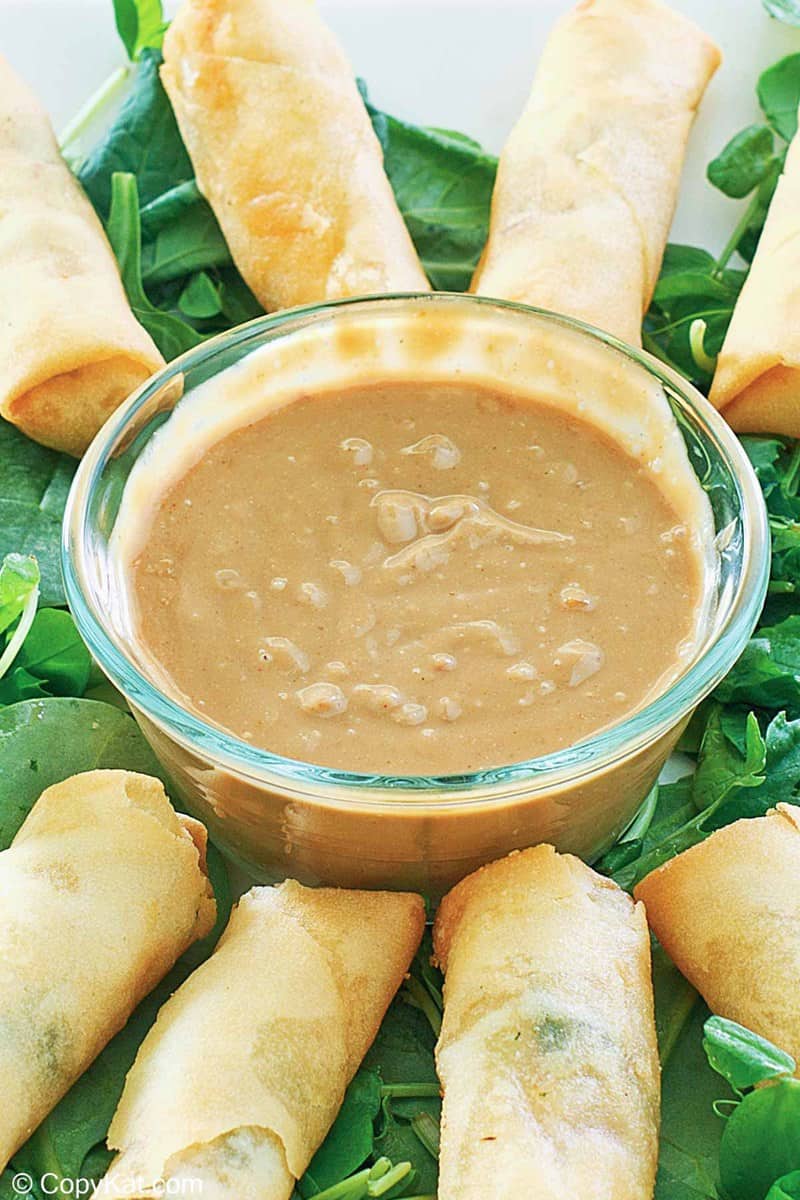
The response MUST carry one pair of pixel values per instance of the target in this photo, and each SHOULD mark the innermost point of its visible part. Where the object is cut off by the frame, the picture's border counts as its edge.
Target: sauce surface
(416, 579)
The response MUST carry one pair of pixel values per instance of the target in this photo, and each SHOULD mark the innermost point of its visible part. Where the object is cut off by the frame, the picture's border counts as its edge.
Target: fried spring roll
(547, 1054)
(246, 1067)
(588, 180)
(757, 381)
(71, 349)
(284, 151)
(727, 912)
(101, 890)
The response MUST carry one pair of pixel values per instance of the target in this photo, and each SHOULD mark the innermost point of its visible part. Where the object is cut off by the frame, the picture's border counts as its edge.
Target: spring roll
(588, 180)
(727, 912)
(284, 151)
(757, 381)
(246, 1067)
(101, 890)
(547, 1055)
(71, 349)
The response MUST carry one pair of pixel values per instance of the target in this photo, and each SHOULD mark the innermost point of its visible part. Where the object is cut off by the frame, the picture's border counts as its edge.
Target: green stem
(107, 92)
(352, 1188)
(385, 1182)
(427, 1130)
(741, 227)
(697, 333)
(411, 1091)
(417, 995)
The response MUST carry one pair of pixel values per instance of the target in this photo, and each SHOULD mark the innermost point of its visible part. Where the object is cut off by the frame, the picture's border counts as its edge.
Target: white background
(462, 64)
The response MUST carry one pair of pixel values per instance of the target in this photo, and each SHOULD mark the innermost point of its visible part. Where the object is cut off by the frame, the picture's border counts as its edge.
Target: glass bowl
(279, 817)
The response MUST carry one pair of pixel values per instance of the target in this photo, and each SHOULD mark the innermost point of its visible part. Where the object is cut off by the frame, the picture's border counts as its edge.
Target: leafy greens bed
(722, 1135)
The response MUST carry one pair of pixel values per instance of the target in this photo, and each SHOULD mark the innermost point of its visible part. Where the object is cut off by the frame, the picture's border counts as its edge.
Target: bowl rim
(589, 757)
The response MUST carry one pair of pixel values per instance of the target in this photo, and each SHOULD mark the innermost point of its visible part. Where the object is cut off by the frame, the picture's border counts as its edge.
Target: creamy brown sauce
(416, 580)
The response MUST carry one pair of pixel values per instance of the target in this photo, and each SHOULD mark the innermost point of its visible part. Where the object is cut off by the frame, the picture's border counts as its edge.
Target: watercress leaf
(443, 185)
(722, 768)
(34, 483)
(143, 140)
(19, 578)
(761, 1141)
(785, 1188)
(768, 673)
(782, 774)
(744, 162)
(140, 24)
(169, 332)
(741, 1056)
(349, 1142)
(54, 654)
(787, 11)
(779, 95)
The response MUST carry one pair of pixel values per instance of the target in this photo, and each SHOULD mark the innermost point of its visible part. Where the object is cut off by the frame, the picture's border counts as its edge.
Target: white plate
(461, 64)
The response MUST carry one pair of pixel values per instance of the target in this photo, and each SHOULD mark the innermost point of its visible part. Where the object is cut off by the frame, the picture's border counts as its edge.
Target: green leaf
(52, 656)
(691, 1131)
(741, 1056)
(191, 242)
(349, 1142)
(785, 1188)
(169, 332)
(19, 578)
(768, 673)
(201, 298)
(744, 162)
(443, 184)
(761, 1141)
(143, 140)
(722, 768)
(787, 11)
(779, 95)
(45, 741)
(34, 483)
(140, 25)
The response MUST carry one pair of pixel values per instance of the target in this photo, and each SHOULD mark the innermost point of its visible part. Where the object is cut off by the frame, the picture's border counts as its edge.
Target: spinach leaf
(52, 660)
(779, 95)
(140, 25)
(785, 1188)
(143, 140)
(190, 242)
(45, 741)
(761, 1141)
(171, 334)
(787, 11)
(34, 483)
(741, 1056)
(350, 1140)
(443, 184)
(19, 580)
(691, 1131)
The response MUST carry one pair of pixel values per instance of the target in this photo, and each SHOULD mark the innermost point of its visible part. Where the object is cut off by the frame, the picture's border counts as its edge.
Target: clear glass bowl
(280, 818)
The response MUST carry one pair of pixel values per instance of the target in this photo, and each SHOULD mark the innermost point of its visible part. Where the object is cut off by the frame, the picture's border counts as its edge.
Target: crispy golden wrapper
(284, 151)
(246, 1067)
(588, 180)
(547, 1055)
(727, 911)
(101, 891)
(757, 381)
(70, 347)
